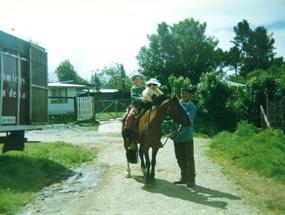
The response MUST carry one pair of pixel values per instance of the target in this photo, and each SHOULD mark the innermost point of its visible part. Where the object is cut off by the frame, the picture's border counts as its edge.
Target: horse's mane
(159, 99)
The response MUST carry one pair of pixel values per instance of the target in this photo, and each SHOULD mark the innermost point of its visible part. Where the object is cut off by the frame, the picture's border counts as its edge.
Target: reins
(172, 134)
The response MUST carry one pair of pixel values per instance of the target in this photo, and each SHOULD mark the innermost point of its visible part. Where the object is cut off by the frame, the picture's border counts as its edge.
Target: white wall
(62, 108)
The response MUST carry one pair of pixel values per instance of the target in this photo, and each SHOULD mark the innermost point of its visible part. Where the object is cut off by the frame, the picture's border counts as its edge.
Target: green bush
(214, 110)
(259, 85)
(177, 83)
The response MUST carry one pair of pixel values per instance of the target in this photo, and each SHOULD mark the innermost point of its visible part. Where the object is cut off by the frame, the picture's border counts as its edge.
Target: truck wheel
(14, 141)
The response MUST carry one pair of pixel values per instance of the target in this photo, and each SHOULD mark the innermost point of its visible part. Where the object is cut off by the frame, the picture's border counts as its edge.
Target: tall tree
(232, 58)
(65, 72)
(95, 79)
(182, 49)
(253, 49)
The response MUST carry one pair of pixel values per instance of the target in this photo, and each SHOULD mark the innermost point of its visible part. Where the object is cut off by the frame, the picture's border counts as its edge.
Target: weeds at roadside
(23, 174)
(256, 160)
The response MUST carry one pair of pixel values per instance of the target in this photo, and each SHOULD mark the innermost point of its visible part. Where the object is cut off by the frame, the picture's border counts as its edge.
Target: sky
(92, 34)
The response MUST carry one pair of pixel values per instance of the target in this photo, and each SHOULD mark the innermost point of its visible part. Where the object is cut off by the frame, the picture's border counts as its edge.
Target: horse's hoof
(128, 175)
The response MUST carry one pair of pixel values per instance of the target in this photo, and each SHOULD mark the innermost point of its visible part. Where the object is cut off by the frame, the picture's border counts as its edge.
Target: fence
(85, 108)
(276, 112)
(106, 109)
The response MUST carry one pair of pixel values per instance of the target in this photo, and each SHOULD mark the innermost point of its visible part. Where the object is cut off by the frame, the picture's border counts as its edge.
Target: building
(61, 97)
(102, 94)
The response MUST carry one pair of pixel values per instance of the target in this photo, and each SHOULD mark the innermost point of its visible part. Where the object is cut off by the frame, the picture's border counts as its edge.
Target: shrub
(213, 103)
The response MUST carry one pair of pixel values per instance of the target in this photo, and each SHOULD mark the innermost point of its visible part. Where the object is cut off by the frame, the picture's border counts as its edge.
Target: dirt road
(104, 189)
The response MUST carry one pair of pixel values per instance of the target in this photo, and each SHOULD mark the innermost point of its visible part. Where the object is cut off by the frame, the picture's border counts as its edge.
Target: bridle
(172, 134)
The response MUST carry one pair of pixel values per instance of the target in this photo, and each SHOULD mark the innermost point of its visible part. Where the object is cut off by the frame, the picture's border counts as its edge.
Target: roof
(101, 91)
(59, 84)
(234, 84)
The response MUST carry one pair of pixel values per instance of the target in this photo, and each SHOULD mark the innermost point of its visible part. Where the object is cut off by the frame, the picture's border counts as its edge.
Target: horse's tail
(130, 145)
(132, 155)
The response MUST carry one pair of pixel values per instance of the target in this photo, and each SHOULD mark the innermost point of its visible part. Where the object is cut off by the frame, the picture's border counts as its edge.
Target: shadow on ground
(199, 194)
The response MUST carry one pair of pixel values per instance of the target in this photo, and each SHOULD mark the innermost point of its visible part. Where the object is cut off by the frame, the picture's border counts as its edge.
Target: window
(59, 96)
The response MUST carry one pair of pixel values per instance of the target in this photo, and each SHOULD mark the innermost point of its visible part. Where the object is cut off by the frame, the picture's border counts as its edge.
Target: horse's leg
(128, 173)
(147, 162)
(143, 168)
(153, 163)
(126, 139)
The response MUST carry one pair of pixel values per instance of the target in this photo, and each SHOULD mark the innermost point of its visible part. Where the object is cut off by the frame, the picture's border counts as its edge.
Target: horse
(148, 131)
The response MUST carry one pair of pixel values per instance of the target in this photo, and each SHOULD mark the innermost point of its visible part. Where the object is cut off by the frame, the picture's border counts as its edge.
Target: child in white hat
(151, 91)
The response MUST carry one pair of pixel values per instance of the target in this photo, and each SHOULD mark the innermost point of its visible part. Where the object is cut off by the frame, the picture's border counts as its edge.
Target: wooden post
(75, 107)
(94, 108)
(116, 108)
(261, 119)
(265, 117)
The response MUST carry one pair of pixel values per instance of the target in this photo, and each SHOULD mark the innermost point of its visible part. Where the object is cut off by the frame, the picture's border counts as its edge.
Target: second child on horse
(136, 98)
(151, 93)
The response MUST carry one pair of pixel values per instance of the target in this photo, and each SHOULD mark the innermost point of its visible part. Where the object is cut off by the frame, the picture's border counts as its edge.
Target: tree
(177, 83)
(252, 50)
(232, 58)
(65, 72)
(95, 79)
(261, 84)
(114, 76)
(179, 50)
(213, 104)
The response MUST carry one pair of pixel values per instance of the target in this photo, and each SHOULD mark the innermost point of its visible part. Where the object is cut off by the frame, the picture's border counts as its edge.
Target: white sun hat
(153, 81)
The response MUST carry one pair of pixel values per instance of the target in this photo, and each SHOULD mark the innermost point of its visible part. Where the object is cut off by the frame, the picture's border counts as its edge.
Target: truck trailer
(23, 90)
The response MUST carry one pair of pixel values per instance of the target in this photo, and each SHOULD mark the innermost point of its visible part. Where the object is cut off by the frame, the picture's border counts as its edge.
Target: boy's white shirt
(148, 93)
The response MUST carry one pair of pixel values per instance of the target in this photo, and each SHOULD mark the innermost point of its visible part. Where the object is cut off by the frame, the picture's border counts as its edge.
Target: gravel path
(104, 189)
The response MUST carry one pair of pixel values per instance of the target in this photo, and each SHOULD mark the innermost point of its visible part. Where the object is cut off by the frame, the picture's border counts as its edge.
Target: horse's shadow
(199, 194)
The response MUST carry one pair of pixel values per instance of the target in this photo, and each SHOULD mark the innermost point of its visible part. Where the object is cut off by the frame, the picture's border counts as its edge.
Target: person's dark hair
(187, 89)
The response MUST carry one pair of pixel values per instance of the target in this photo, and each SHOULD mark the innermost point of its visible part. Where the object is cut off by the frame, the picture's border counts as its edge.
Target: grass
(262, 151)
(23, 174)
(256, 160)
(109, 115)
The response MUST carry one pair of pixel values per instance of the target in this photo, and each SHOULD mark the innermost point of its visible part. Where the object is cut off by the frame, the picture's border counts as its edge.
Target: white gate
(84, 108)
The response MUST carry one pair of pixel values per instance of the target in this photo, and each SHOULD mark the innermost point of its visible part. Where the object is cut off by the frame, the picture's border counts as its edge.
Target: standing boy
(183, 143)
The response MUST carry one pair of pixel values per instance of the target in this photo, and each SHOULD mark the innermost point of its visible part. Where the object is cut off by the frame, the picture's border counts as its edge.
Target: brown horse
(148, 131)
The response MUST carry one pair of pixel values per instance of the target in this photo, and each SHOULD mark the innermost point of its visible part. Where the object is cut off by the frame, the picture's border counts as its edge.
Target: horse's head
(177, 112)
